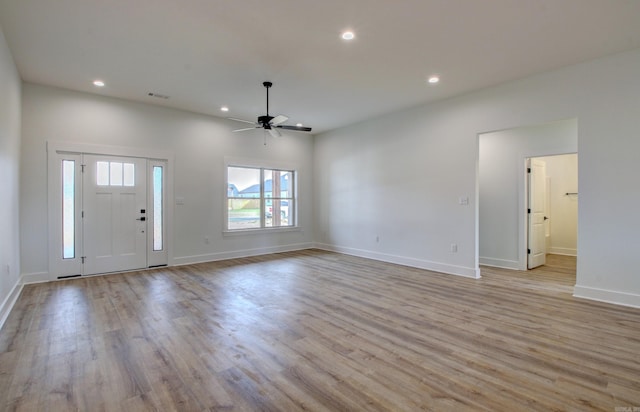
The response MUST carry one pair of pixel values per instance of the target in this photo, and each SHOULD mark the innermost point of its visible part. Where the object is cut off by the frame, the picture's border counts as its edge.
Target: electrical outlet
(206, 240)
(377, 239)
(454, 248)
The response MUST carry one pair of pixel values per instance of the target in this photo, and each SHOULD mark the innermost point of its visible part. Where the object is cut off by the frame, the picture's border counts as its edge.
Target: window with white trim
(260, 198)
(157, 195)
(68, 209)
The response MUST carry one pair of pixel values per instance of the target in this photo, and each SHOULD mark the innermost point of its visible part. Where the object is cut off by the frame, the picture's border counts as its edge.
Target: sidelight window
(157, 207)
(68, 209)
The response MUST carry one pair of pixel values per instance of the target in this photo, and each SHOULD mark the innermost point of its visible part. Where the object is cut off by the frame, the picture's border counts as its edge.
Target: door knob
(142, 219)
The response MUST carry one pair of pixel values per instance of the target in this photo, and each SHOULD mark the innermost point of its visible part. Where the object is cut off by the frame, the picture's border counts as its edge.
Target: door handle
(546, 218)
(142, 219)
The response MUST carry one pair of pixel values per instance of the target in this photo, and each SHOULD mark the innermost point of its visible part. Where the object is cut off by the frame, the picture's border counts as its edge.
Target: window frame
(262, 167)
(69, 216)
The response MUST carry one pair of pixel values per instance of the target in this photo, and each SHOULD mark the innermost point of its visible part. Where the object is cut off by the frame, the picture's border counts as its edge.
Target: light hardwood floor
(314, 330)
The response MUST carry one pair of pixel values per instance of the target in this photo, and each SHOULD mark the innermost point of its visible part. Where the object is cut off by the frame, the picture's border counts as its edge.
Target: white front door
(536, 253)
(115, 214)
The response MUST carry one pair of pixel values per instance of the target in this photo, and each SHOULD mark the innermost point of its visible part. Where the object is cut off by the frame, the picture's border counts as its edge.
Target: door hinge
(528, 169)
(82, 214)
(528, 211)
(528, 252)
(83, 259)
(82, 168)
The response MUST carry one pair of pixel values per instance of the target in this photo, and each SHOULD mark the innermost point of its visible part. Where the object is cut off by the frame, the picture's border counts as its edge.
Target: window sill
(241, 232)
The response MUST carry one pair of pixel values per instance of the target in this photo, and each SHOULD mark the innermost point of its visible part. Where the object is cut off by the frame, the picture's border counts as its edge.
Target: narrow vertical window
(115, 173)
(68, 209)
(102, 173)
(278, 193)
(244, 198)
(157, 207)
(129, 174)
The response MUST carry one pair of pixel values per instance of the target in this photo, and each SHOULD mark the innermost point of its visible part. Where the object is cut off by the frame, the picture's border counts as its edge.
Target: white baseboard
(212, 257)
(405, 261)
(607, 296)
(9, 302)
(562, 251)
(39, 277)
(500, 263)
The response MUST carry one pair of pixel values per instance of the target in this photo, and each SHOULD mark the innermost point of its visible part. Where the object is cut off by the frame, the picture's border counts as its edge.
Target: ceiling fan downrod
(267, 85)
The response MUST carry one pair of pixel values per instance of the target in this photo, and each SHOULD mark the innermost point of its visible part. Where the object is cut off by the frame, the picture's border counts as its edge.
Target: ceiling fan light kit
(269, 123)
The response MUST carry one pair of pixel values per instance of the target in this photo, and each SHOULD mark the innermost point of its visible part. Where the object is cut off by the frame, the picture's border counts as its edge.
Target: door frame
(523, 198)
(115, 236)
(56, 267)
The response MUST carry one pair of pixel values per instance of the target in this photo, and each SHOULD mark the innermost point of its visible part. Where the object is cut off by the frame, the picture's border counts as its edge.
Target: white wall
(400, 176)
(388, 188)
(199, 143)
(562, 178)
(10, 85)
(501, 176)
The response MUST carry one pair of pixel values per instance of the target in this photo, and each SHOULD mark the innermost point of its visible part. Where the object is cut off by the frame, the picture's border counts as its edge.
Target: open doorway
(502, 191)
(552, 210)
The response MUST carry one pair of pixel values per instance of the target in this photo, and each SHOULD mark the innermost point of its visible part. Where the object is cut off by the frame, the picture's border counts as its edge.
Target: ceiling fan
(269, 123)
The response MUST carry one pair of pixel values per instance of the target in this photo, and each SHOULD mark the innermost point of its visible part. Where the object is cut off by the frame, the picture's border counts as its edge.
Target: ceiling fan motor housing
(265, 120)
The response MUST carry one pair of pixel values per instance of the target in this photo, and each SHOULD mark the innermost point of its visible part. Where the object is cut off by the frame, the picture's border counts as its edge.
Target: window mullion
(292, 196)
(263, 206)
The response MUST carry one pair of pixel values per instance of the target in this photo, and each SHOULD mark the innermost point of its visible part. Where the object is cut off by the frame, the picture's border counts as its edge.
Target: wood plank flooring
(320, 331)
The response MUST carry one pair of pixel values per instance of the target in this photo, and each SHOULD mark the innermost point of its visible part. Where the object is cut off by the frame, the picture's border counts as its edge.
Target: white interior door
(536, 253)
(114, 218)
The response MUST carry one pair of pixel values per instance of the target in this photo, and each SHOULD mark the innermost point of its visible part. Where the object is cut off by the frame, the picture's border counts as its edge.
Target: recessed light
(348, 35)
(434, 79)
(98, 83)
(224, 108)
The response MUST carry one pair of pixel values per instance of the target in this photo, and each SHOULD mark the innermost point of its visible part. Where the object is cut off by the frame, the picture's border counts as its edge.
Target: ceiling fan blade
(274, 132)
(247, 128)
(279, 119)
(294, 128)
(240, 120)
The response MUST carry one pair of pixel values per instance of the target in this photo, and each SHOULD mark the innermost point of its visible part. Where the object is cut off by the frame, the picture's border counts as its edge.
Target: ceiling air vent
(158, 95)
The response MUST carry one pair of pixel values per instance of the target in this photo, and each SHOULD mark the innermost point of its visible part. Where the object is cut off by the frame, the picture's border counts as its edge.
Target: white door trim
(54, 151)
(522, 202)
(161, 256)
(59, 266)
(88, 148)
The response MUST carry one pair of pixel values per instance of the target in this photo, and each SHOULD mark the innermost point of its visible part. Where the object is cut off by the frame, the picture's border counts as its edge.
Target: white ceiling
(209, 53)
